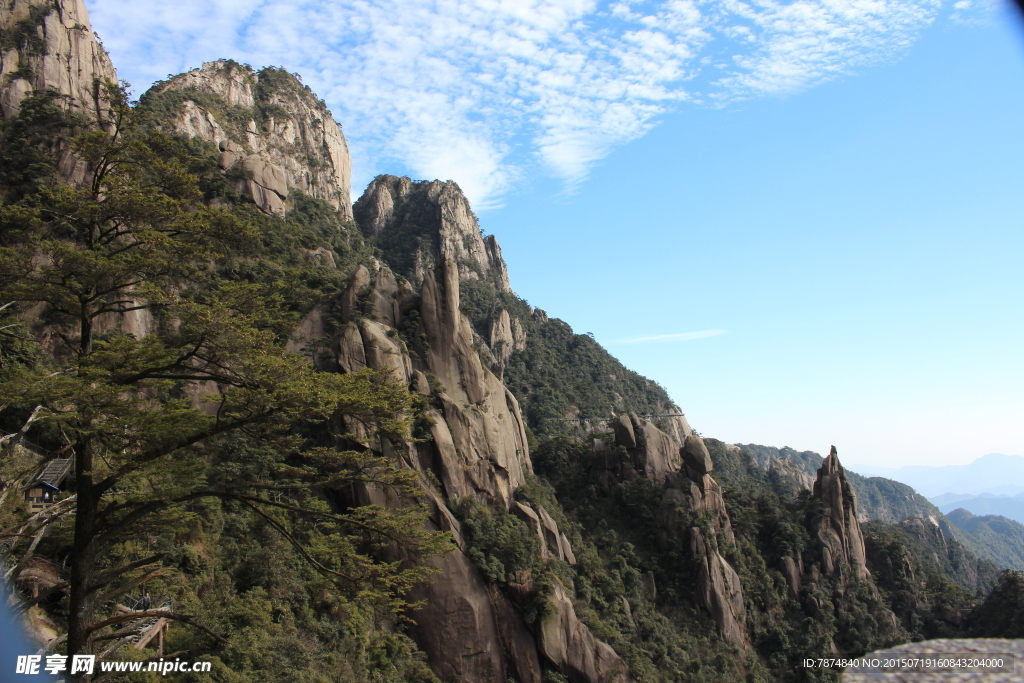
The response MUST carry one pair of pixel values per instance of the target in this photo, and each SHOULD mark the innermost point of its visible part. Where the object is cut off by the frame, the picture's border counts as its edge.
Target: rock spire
(839, 535)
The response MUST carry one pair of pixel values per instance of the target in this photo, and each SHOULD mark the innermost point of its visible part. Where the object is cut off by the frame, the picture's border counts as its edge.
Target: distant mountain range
(984, 504)
(994, 473)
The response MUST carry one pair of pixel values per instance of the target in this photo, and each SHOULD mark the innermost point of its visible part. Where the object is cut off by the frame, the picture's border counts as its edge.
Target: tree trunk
(82, 603)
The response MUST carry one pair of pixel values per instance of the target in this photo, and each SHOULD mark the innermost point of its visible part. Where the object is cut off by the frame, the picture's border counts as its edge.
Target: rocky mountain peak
(275, 136)
(839, 534)
(49, 45)
(420, 224)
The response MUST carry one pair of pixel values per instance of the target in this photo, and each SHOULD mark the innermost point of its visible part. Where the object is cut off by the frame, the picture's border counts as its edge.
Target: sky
(803, 219)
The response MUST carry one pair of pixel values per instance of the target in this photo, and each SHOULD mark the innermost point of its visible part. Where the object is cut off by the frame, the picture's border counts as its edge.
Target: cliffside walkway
(38, 451)
(954, 653)
(608, 419)
(149, 628)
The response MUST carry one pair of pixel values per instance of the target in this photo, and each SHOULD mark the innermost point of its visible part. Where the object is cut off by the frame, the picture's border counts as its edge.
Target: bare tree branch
(159, 613)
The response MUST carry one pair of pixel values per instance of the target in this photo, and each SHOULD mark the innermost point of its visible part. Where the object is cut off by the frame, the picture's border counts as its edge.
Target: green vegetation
(994, 537)
(913, 572)
(270, 86)
(933, 552)
(1001, 615)
(207, 459)
(29, 144)
(560, 371)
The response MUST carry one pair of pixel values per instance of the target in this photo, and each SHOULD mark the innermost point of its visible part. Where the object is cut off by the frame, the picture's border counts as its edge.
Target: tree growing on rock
(152, 354)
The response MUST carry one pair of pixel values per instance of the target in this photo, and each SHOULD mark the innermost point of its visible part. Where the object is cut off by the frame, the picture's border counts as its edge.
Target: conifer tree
(142, 414)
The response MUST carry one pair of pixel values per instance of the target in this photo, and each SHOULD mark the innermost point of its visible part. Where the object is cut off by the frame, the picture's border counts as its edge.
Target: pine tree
(143, 416)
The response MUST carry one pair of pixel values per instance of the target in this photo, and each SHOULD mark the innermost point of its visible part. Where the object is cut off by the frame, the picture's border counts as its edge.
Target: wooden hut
(42, 491)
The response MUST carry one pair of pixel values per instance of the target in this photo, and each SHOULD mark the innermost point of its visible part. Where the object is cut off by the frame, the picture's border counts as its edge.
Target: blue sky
(804, 219)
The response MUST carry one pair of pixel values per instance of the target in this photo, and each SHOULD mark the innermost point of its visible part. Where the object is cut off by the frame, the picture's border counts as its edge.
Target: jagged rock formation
(421, 224)
(685, 471)
(274, 135)
(720, 589)
(506, 337)
(878, 498)
(839, 536)
(49, 45)
(477, 448)
(552, 542)
(652, 453)
(574, 650)
(479, 441)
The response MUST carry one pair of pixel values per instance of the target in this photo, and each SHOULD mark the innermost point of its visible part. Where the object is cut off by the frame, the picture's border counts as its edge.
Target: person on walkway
(146, 602)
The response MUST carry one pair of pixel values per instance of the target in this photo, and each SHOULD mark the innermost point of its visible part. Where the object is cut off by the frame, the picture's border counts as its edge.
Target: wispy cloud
(677, 337)
(485, 91)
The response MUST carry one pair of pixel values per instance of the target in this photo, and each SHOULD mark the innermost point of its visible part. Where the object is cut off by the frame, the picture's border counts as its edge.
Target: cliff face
(478, 445)
(477, 449)
(274, 135)
(49, 45)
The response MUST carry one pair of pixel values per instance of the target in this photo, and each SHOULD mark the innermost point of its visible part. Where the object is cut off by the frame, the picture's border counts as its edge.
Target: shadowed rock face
(574, 650)
(422, 224)
(720, 589)
(289, 141)
(839, 534)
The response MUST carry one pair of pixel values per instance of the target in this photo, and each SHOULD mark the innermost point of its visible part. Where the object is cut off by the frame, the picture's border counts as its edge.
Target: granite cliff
(50, 45)
(274, 136)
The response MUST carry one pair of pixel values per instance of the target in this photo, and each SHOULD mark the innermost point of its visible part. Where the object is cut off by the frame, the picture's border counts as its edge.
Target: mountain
(891, 502)
(993, 473)
(1001, 538)
(493, 497)
(878, 498)
(984, 504)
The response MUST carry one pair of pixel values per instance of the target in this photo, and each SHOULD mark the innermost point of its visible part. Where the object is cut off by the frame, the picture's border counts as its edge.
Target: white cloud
(482, 91)
(974, 12)
(677, 337)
